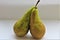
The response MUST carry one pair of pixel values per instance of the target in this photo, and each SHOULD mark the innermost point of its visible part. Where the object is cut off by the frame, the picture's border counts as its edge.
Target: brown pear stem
(37, 3)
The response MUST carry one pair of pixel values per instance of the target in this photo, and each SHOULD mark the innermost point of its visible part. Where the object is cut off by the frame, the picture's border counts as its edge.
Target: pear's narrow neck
(35, 7)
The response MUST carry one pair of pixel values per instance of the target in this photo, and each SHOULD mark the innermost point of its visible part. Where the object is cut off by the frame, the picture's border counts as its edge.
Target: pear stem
(37, 3)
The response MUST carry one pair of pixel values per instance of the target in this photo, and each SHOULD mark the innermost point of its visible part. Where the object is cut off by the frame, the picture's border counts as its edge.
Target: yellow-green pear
(37, 28)
(22, 25)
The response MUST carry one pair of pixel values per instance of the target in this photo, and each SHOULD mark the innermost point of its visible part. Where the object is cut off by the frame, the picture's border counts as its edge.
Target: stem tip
(37, 3)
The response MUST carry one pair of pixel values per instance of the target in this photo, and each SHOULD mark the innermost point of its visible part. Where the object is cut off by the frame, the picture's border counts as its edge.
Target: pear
(21, 27)
(37, 28)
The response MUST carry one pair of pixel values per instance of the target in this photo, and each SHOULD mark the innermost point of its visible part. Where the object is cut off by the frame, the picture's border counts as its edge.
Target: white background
(14, 9)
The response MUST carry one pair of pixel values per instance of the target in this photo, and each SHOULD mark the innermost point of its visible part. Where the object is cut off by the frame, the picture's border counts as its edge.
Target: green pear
(21, 27)
(37, 28)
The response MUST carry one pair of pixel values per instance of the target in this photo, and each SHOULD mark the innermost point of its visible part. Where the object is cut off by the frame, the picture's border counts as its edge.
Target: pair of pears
(30, 21)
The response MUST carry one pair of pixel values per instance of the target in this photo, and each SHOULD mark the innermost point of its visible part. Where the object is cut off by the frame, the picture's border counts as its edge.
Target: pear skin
(21, 27)
(37, 28)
